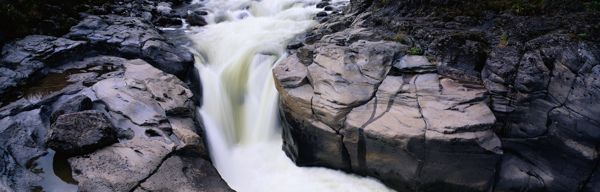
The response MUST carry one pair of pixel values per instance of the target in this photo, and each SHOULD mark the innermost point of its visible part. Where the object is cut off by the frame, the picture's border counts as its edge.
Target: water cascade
(234, 55)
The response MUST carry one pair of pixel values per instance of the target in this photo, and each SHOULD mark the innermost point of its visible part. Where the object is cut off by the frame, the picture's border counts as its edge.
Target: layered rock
(133, 37)
(538, 83)
(344, 111)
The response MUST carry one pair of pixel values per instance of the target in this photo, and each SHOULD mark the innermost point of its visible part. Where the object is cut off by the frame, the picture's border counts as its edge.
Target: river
(234, 55)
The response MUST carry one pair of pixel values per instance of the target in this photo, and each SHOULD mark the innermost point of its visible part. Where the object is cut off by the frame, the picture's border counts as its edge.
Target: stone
(133, 37)
(415, 64)
(14, 177)
(23, 135)
(185, 174)
(196, 18)
(75, 104)
(128, 97)
(167, 57)
(190, 143)
(81, 133)
(355, 71)
(121, 166)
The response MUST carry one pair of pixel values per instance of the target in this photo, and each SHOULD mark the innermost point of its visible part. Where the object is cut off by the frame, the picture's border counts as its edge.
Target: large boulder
(81, 132)
(359, 107)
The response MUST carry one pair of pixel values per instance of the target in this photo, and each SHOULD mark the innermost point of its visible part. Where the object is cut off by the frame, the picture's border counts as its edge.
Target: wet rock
(196, 18)
(191, 143)
(167, 57)
(81, 133)
(75, 104)
(185, 174)
(23, 135)
(322, 4)
(26, 60)
(133, 37)
(14, 177)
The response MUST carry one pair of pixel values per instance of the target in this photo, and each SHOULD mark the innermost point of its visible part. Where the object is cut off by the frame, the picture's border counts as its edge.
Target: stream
(235, 53)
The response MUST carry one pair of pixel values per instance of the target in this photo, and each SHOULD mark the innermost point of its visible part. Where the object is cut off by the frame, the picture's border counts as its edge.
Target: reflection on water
(53, 82)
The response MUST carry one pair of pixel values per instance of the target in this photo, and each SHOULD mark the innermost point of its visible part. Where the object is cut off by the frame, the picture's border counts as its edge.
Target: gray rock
(119, 167)
(25, 60)
(14, 177)
(81, 133)
(130, 98)
(355, 71)
(133, 37)
(185, 174)
(75, 104)
(196, 18)
(23, 135)
(167, 57)
(415, 64)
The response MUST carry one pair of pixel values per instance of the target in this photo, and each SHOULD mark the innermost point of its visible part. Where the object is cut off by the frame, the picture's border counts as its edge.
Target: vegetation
(415, 51)
(24, 17)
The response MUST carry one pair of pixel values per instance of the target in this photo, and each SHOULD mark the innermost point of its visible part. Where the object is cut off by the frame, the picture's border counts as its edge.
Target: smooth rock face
(81, 132)
(23, 135)
(346, 77)
(414, 132)
(185, 174)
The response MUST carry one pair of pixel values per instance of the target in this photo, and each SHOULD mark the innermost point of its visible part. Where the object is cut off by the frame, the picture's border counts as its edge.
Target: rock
(119, 167)
(23, 135)
(26, 60)
(196, 18)
(75, 104)
(133, 37)
(322, 14)
(190, 142)
(81, 133)
(14, 177)
(166, 57)
(356, 71)
(414, 64)
(185, 174)
(322, 4)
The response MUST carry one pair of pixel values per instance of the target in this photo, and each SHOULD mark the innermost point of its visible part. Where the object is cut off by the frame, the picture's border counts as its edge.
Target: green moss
(415, 51)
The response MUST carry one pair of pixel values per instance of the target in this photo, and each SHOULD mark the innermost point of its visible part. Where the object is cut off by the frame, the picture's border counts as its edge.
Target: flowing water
(235, 55)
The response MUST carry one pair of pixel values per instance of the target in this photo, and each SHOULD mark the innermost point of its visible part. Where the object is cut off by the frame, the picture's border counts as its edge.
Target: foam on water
(235, 55)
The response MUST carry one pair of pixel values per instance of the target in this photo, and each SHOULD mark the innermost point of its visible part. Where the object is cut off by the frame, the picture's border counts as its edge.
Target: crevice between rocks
(154, 171)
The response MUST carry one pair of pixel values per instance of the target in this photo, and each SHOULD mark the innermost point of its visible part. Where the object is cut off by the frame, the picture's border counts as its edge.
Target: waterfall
(234, 56)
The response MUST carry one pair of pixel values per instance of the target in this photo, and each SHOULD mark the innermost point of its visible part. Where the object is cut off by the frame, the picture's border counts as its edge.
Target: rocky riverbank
(501, 100)
(110, 98)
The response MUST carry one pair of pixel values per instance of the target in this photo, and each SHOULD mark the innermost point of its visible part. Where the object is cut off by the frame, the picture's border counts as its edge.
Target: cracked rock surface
(501, 102)
(351, 115)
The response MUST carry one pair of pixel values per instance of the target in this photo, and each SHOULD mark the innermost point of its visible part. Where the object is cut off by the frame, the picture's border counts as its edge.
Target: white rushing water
(235, 55)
